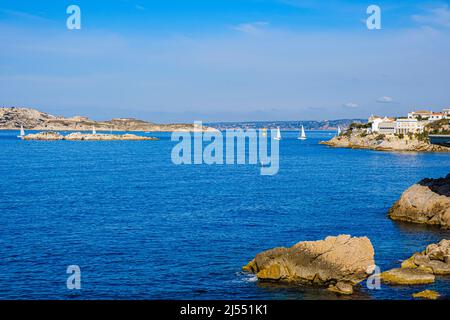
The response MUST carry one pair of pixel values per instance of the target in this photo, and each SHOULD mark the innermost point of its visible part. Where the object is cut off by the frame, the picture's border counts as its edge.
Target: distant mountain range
(287, 125)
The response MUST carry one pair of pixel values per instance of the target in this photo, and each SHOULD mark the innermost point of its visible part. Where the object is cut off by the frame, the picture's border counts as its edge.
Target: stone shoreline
(358, 140)
(339, 263)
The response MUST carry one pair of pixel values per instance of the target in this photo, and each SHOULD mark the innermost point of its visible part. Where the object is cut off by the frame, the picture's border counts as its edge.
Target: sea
(139, 226)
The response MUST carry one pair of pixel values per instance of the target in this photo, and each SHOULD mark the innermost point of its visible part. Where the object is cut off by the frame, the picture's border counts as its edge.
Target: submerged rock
(426, 202)
(404, 276)
(338, 262)
(427, 294)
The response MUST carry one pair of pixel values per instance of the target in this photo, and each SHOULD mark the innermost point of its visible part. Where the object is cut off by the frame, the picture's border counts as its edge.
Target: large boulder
(426, 202)
(338, 262)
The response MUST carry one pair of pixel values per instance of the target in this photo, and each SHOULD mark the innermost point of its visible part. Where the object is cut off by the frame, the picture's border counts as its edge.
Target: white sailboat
(22, 133)
(93, 130)
(278, 134)
(339, 131)
(302, 134)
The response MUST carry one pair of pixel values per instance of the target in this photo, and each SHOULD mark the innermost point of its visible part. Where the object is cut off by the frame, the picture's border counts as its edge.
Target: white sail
(278, 134)
(22, 132)
(339, 131)
(93, 130)
(302, 134)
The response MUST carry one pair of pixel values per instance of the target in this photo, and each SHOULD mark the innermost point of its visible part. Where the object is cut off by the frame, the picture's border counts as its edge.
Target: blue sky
(224, 60)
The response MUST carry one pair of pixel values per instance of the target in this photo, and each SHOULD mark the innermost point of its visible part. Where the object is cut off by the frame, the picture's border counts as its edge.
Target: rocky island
(338, 263)
(78, 136)
(427, 202)
(32, 119)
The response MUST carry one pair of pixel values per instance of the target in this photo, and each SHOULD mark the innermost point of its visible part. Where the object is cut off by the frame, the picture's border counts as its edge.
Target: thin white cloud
(139, 7)
(351, 105)
(21, 15)
(385, 99)
(225, 73)
(251, 27)
(439, 16)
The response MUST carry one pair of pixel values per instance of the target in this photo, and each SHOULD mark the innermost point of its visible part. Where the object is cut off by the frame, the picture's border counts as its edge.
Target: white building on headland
(407, 125)
(378, 122)
(386, 127)
(415, 122)
(429, 115)
(420, 114)
(435, 116)
(446, 112)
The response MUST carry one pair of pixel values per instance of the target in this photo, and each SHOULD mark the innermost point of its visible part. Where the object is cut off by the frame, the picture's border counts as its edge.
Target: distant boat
(339, 131)
(278, 134)
(302, 134)
(93, 130)
(22, 133)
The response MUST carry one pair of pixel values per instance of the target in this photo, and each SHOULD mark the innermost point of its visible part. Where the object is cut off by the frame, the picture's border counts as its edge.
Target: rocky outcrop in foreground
(337, 262)
(32, 119)
(435, 259)
(422, 267)
(359, 140)
(426, 202)
(77, 136)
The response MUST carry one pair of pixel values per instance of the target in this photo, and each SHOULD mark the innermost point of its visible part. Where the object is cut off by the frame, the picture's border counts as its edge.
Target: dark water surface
(141, 227)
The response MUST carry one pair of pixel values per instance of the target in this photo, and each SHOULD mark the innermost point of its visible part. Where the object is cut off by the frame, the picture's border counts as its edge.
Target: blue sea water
(141, 227)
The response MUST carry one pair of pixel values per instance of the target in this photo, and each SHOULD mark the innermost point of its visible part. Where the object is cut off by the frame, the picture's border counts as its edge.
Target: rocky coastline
(427, 202)
(422, 268)
(358, 139)
(338, 263)
(78, 136)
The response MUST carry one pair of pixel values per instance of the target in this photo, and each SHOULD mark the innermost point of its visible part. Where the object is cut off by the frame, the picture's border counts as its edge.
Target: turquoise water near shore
(141, 227)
